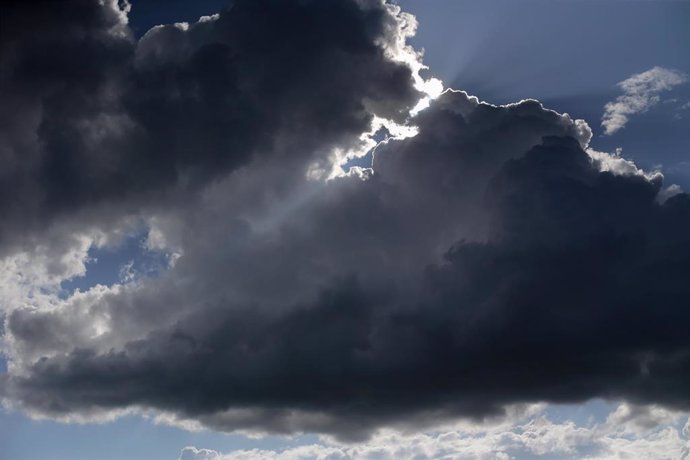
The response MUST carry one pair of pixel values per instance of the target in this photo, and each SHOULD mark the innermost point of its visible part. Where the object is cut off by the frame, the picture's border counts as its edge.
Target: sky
(344, 229)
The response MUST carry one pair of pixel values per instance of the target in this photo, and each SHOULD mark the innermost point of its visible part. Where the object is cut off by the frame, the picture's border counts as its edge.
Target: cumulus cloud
(192, 453)
(488, 257)
(640, 92)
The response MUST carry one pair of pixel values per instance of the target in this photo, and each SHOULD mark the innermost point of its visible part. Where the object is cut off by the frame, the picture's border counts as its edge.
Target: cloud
(152, 121)
(640, 92)
(634, 432)
(487, 258)
(487, 235)
(192, 453)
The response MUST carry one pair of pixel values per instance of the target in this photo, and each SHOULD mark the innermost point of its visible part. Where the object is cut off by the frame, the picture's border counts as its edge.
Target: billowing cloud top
(488, 257)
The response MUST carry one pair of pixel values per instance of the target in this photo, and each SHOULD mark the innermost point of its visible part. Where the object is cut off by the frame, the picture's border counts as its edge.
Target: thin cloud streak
(640, 92)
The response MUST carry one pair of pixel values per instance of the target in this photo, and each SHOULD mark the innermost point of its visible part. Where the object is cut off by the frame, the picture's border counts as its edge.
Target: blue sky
(569, 54)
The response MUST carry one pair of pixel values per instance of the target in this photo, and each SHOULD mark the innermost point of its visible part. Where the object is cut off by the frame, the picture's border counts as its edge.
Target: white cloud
(33, 275)
(629, 431)
(192, 453)
(640, 92)
(617, 165)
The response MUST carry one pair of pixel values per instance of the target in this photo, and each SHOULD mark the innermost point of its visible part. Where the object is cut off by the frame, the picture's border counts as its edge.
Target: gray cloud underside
(488, 260)
(630, 432)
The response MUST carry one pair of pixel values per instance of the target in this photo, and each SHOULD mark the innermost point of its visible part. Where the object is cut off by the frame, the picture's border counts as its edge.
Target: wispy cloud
(640, 92)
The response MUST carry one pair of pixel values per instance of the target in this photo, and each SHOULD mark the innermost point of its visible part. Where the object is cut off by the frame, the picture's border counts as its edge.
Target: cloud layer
(632, 432)
(488, 257)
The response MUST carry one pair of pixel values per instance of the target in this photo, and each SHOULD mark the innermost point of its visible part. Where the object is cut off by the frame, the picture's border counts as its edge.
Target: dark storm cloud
(59, 62)
(488, 260)
(95, 122)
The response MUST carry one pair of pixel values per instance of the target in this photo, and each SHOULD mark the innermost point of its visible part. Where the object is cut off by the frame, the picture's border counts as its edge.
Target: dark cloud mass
(94, 118)
(490, 259)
